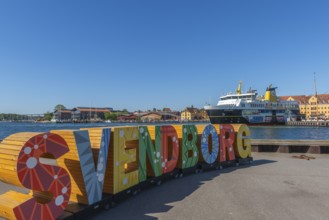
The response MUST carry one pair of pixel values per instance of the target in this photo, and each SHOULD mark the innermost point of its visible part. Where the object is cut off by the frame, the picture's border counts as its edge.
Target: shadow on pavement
(159, 199)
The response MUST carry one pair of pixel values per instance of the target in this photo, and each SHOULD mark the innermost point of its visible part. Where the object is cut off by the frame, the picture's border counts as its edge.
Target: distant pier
(308, 123)
(290, 146)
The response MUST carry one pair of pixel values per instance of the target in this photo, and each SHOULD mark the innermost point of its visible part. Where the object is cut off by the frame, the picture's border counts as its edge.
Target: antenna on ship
(238, 91)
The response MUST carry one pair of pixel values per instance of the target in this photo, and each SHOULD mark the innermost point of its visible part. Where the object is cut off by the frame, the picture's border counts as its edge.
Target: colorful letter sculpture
(242, 147)
(59, 167)
(125, 157)
(169, 143)
(209, 157)
(51, 184)
(94, 180)
(149, 155)
(71, 162)
(227, 137)
(190, 155)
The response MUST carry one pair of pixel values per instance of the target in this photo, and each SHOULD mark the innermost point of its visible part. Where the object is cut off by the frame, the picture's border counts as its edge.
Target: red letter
(227, 137)
(43, 178)
(169, 162)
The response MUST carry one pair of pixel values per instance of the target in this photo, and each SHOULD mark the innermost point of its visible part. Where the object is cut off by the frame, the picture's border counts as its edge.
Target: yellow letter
(242, 146)
(125, 158)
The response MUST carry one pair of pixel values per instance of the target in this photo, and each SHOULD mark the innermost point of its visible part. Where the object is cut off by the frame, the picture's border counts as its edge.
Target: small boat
(248, 108)
(53, 120)
(108, 121)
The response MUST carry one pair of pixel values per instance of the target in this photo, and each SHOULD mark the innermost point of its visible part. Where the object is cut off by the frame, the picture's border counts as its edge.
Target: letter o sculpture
(209, 157)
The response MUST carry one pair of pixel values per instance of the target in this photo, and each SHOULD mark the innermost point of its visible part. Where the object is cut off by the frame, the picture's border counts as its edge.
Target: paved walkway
(276, 186)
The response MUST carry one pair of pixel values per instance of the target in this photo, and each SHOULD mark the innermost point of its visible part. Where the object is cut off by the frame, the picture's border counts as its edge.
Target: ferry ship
(250, 109)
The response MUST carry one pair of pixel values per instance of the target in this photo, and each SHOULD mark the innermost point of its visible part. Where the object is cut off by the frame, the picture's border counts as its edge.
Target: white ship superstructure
(250, 109)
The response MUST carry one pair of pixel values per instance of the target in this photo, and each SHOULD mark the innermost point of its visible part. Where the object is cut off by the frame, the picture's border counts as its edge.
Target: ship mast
(238, 91)
(316, 97)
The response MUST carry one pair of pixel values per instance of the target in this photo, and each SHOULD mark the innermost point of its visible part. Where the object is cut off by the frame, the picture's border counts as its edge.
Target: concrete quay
(290, 146)
(274, 186)
(308, 123)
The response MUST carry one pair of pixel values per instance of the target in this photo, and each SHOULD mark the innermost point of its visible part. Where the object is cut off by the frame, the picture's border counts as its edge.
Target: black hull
(235, 117)
(228, 120)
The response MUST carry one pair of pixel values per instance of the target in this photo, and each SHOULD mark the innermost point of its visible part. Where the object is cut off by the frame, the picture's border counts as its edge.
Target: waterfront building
(63, 115)
(87, 113)
(159, 116)
(312, 106)
(190, 114)
(204, 114)
(127, 117)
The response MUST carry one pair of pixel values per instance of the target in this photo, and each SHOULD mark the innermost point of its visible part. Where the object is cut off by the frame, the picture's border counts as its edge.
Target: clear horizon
(140, 55)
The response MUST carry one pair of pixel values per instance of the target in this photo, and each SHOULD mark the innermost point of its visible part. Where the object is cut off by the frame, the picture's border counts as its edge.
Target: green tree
(110, 116)
(59, 106)
(107, 115)
(48, 116)
(114, 117)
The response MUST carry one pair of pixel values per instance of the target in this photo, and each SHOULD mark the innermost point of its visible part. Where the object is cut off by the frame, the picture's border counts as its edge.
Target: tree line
(16, 117)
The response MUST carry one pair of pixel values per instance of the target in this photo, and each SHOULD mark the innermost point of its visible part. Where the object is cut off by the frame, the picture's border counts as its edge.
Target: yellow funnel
(270, 94)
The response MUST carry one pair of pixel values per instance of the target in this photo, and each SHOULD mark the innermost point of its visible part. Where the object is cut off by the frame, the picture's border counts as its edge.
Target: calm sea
(276, 132)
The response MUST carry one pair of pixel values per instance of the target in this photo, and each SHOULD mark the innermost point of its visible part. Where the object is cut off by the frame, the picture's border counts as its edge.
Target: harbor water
(257, 132)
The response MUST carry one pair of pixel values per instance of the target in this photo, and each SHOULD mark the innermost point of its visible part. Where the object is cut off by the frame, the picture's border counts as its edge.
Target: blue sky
(141, 54)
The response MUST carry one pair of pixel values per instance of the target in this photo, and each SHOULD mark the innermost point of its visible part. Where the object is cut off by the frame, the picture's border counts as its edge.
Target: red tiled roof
(81, 109)
(64, 110)
(323, 98)
(127, 117)
(192, 110)
(303, 99)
